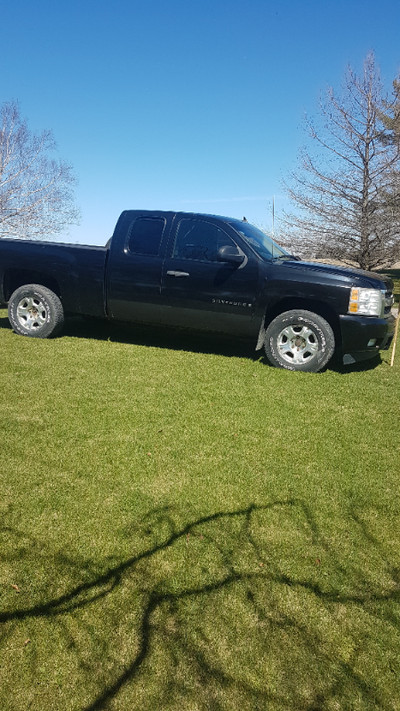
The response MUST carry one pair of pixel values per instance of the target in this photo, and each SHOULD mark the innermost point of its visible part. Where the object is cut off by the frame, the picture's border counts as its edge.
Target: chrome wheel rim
(31, 313)
(297, 344)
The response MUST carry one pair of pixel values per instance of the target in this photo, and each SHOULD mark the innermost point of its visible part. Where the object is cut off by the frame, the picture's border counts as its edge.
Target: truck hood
(359, 276)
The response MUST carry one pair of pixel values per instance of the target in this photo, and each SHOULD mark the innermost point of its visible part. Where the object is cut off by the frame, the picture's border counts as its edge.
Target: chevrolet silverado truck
(207, 273)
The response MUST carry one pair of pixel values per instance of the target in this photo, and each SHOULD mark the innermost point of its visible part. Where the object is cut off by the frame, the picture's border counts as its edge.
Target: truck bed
(74, 271)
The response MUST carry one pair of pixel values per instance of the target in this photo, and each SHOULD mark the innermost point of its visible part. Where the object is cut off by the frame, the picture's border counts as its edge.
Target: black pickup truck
(207, 273)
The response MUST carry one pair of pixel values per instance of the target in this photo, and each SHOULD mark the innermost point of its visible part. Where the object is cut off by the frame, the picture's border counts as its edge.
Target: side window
(199, 240)
(145, 235)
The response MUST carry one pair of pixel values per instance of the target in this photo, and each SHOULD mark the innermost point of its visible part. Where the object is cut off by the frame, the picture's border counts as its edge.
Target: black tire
(299, 340)
(35, 311)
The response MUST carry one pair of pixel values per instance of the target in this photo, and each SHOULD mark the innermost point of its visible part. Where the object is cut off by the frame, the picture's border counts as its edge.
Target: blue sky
(183, 104)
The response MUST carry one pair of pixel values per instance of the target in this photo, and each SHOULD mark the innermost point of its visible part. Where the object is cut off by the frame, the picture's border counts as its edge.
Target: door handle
(177, 274)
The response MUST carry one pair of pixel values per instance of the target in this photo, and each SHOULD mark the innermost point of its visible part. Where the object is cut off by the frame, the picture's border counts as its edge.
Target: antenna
(273, 216)
(273, 225)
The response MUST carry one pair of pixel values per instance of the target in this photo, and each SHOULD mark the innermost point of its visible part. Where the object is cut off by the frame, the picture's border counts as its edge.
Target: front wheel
(35, 311)
(299, 340)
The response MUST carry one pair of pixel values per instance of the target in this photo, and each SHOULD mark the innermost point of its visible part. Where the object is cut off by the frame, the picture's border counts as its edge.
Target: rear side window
(145, 235)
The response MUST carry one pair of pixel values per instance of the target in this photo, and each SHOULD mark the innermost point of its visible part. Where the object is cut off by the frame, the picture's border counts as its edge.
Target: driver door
(202, 292)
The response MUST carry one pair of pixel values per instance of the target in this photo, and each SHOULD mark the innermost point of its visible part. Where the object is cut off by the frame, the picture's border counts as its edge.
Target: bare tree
(36, 189)
(345, 191)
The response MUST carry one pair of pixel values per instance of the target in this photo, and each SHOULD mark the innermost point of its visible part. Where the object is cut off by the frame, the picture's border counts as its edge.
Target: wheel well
(16, 278)
(316, 307)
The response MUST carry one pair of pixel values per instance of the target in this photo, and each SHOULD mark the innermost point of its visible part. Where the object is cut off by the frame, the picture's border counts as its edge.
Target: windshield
(259, 241)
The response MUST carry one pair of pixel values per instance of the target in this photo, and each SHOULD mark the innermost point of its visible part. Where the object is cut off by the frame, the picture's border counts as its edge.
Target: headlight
(366, 302)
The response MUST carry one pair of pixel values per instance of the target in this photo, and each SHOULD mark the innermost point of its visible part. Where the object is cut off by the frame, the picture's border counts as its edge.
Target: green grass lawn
(184, 528)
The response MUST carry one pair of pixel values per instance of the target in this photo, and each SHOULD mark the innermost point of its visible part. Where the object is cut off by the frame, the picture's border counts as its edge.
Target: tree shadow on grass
(254, 608)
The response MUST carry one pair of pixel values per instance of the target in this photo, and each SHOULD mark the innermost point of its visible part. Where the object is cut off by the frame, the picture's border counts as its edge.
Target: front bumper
(358, 331)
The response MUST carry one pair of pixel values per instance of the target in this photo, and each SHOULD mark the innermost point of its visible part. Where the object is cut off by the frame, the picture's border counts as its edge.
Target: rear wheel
(299, 340)
(35, 311)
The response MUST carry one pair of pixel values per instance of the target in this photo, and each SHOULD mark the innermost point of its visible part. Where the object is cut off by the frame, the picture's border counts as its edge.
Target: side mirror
(229, 253)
